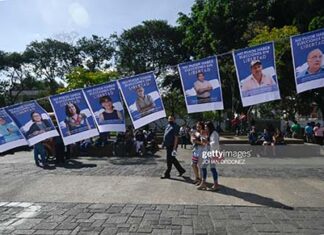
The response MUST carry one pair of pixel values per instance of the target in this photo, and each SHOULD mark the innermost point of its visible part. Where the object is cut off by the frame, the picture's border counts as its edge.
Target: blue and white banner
(143, 98)
(33, 121)
(10, 135)
(106, 106)
(73, 116)
(201, 85)
(307, 53)
(256, 74)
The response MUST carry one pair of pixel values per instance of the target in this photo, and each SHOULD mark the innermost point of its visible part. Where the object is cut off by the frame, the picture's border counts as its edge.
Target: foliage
(51, 60)
(95, 52)
(173, 101)
(80, 78)
(149, 46)
(212, 27)
(316, 23)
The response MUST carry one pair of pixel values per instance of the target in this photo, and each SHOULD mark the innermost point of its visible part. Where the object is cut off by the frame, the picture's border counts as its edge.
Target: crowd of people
(314, 133)
(311, 133)
(269, 136)
(130, 143)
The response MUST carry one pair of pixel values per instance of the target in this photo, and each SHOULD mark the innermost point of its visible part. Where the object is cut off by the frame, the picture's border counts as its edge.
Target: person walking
(170, 141)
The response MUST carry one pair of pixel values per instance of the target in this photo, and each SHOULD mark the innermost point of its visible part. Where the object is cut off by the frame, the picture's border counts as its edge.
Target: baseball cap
(254, 62)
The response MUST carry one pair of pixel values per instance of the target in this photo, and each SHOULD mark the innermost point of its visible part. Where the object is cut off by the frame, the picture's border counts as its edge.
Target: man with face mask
(170, 141)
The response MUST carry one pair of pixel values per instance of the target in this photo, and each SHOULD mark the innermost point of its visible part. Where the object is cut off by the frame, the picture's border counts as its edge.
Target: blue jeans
(39, 149)
(212, 169)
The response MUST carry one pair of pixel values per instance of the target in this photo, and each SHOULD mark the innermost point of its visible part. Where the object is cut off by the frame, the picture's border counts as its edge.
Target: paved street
(281, 192)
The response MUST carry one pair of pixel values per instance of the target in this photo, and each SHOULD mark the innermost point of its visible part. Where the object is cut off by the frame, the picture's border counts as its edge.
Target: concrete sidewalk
(113, 195)
(262, 181)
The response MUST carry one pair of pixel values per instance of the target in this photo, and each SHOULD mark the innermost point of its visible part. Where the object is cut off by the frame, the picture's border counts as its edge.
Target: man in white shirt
(257, 78)
(202, 88)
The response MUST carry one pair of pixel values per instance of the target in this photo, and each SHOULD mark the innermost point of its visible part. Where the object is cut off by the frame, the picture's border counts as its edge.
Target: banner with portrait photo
(256, 74)
(201, 85)
(106, 106)
(33, 121)
(10, 135)
(143, 98)
(307, 53)
(73, 116)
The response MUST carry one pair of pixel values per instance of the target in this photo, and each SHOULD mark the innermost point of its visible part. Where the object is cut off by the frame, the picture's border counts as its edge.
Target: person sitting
(309, 134)
(318, 133)
(120, 144)
(266, 137)
(85, 144)
(253, 137)
(103, 139)
(278, 138)
(295, 128)
(151, 140)
(140, 142)
(129, 140)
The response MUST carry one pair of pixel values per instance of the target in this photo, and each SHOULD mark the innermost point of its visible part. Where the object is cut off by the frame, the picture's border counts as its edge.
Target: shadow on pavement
(146, 160)
(74, 164)
(252, 197)
(246, 196)
(184, 179)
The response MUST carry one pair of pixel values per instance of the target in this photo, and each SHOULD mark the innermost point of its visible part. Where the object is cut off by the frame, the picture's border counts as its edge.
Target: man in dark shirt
(170, 141)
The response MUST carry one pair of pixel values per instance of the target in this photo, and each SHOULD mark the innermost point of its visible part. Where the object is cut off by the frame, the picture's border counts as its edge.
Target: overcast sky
(23, 21)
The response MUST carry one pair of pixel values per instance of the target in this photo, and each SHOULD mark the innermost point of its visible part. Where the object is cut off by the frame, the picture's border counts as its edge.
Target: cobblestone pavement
(81, 218)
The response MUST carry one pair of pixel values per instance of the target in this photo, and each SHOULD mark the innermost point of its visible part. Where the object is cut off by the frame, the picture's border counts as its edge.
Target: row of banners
(83, 113)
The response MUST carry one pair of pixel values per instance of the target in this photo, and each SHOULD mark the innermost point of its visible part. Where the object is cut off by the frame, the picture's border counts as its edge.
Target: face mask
(171, 122)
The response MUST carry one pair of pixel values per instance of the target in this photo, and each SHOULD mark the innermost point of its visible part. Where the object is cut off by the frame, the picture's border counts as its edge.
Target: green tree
(316, 23)
(2, 59)
(17, 77)
(217, 27)
(80, 78)
(291, 102)
(149, 46)
(298, 13)
(95, 52)
(173, 101)
(51, 60)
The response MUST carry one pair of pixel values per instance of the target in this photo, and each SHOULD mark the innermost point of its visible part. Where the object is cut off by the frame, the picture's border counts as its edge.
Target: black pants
(172, 160)
(319, 140)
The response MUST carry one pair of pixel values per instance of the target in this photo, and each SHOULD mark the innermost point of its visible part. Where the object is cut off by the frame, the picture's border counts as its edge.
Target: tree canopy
(211, 27)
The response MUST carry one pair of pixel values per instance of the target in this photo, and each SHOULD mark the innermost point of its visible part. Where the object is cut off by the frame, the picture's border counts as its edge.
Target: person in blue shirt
(170, 141)
(253, 136)
(309, 133)
(266, 137)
